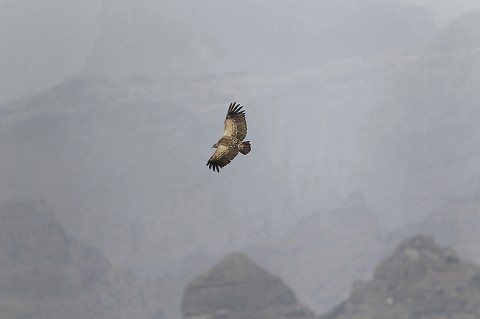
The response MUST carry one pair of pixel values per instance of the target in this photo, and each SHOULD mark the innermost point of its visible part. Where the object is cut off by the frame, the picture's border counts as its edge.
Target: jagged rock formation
(46, 274)
(420, 280)
(237, 288)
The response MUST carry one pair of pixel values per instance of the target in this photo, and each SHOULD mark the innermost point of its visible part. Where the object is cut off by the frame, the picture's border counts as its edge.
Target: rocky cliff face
(420, 280)
(426, 127)
(237, 288)
(46, 274)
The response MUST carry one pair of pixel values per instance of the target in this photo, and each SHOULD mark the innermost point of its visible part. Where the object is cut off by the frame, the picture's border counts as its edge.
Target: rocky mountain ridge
(419, 280)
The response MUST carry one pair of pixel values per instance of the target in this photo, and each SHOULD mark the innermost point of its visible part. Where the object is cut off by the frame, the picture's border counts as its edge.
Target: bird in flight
(232, 140)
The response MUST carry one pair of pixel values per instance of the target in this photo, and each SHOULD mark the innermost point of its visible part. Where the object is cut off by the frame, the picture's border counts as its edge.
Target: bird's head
(215, 145)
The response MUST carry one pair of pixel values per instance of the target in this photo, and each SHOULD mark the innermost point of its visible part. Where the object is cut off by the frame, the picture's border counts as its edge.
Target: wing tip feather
(213, 166)
(235, 109)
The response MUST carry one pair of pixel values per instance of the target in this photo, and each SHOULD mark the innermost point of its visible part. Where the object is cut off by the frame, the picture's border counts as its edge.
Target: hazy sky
(43, 42)
(446, 10)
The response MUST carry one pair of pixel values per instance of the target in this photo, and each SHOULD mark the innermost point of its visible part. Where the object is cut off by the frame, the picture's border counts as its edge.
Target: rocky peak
(414, 256)
(236, 287)
(420, 280)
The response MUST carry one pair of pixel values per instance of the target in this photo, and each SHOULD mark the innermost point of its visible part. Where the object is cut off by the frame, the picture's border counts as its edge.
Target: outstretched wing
(235, 123)
(222, 156)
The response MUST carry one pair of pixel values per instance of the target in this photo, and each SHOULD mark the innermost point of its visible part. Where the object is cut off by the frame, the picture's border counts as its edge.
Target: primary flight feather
(232, 140)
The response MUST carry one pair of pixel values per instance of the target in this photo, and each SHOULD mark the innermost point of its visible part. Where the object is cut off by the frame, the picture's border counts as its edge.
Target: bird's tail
(246, 148)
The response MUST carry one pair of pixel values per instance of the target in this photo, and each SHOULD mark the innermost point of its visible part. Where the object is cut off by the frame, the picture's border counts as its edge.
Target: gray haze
(363, 117)
(45, 42)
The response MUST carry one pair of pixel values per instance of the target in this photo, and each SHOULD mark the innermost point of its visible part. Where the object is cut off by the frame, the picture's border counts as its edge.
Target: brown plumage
(232, 140)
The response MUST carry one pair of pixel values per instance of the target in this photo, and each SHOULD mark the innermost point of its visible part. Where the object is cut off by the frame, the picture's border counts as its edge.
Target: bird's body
(231, 142)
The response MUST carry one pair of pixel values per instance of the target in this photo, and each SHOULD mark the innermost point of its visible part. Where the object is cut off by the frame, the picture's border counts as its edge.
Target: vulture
(232, 140)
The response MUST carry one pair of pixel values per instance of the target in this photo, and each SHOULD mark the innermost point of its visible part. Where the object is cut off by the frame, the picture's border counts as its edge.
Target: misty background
(363, 117)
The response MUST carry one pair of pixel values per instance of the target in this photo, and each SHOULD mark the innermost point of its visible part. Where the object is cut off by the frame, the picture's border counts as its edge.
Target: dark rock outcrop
(237, 288)
(420, 280)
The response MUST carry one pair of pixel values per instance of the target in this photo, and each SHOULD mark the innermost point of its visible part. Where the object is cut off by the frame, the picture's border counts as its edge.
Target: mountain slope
(49, 275)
